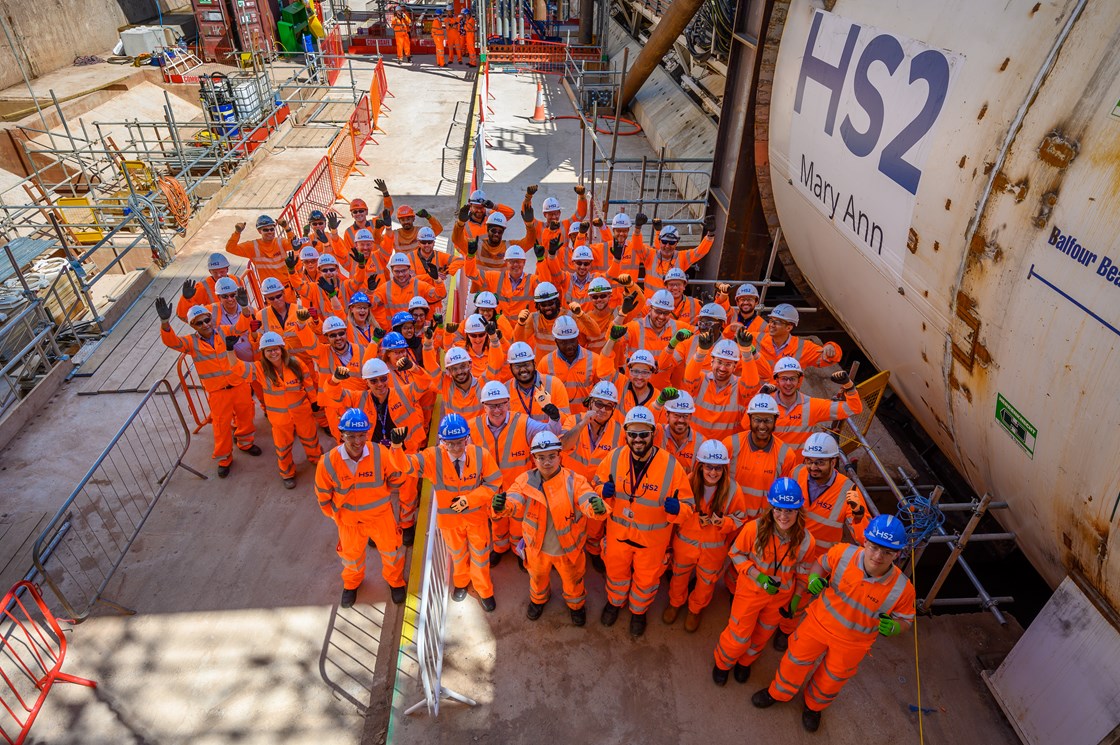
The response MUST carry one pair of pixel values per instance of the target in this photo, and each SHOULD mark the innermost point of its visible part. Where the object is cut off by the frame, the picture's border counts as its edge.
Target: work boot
(742, 673)
(637, 624)
(597, 563)
(348, 598)
(399, 594)
(762, 699)
(223, 471)
(488, 604)
(253, 450)
(691, 622)
(719, 675)
(459, 594)
(408, 535)
(610, 614)
(810, 720)
(289, 483)
(669, 616)
(781, 640)
(535, 610)
(496, 558)
(521, 565)
(579, 616)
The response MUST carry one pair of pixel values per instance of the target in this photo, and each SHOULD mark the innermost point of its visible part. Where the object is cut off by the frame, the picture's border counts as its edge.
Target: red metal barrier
(192, 388)
(332, 53)
(32, 649)
(315, 193)
(343, 159)
(376, 102)
(361, 124)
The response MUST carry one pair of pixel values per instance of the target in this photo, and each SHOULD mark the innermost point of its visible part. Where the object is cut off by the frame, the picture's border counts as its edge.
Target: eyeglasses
(227, 295)
(639, 434)
(427, 243)
(477, 336)
(668, 243)
(267, 229)
(200, 321)
(327, 270)
(336, 335)
(787, 378)
(318, 223)
(874, 548)
(602, 405)
(379, 379)
(816, 461)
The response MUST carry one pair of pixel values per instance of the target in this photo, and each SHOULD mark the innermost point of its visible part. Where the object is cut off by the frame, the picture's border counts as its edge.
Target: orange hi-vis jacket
(851, 604)
(805, 351)
(204, 294)
(638, 513)
(754, 469)
(513, 296)
(479, 482)
(687, 310)
(797, 421)
(299, 342)
(491, 364)
(719, 410)
(628, 397)
(370, 225)
(839, 505)
(778, 560)
(546, 234)
(685, 453)
(755, 324)
(510, 449)
(601, 321)
(406, 241)
(267, 258)
(401, 23)
(580, 375)
(567, 496)
(368, 489)
(314, 297)
(288, 395)
(683, 259)
(635, 253)
(463, 403)
(215, 371)
(402, 409)
(490, 257)
(585, 454)
(390, 298)
(537, 331)
(640, 335)
(718, 534)
(439, 260)
(520, 401)
(229, 323)
(327, 359)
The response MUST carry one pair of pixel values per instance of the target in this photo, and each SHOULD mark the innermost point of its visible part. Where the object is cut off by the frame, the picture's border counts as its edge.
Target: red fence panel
(332, 53)
(315, 193)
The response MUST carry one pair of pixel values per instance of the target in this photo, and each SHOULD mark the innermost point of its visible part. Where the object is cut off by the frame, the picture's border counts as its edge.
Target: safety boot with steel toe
(762, 699)
(637, 624)
(742, 673)
(399, 594)
(535, 610)
(348, 598)
(719, 675)
(810, 720)
(781, 640)
(610, 614)
(579, 616)
(669, 616)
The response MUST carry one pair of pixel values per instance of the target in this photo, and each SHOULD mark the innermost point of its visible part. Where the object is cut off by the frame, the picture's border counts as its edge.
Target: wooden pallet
(18, 533)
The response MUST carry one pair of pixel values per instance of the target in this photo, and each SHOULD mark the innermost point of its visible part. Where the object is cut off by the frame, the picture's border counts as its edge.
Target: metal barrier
(343, 159)
(32, 650)
(93, 530)
(332, 54)
(191, 386)
(432, 621)
(382, 81)
(361, 123)
(315, 193)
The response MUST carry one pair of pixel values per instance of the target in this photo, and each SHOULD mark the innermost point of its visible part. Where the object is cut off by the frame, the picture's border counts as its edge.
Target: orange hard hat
(358, 204)
(405, 211)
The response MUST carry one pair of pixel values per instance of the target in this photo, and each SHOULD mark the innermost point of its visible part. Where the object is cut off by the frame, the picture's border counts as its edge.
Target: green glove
(791, 611)
(766, 583)
(538, 251)
(499, 503)
(817, 583)
(888, 626)
(423, 213)
(679, 337)
(598, 506)
(668, 394)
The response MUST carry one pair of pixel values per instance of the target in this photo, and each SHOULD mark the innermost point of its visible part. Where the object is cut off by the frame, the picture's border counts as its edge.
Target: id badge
(628, 513)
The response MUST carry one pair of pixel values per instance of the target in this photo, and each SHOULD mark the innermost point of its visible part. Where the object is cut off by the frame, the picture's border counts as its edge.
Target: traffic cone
(539, 115)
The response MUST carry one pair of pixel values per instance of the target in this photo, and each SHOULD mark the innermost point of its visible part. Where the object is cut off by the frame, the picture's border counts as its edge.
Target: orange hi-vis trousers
(299, 422)
(404, 45)
(754, 618)
(571, 569)
(229, 408)
(354, 530)
(633, 574)
(808, 643)
(454, 45)
(707, 560)
(469, 543)
(438, 42)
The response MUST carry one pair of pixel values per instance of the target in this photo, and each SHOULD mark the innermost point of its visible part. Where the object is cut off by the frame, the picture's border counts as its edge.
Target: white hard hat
(552, 204)
(564, 327)
(642, 357)
(519, 351)
(196, 311)
(675, 274)
(639, 415)
(682, 404)
(621, 220)
(788, 364)
(333, 323)
(598, 285)
(746, 290)
(217, 261)
(544, 442)
(493, 391)
(583, 253)
(474, 325)
(478, 196)
(604, 390)
(669, 231)
(662, 300)
(496, 218)
(514, 253)
(308, 253)
(271, 285)
(573, 228)
(455, 356)
(763, 403)
(225, 286)
(486, 300)
(271, 339)
(545, 291)
(820, 445)
(327, 260)
(426, 234)
(374, 367)
(726, 349)
(712, 310)
(713, 452)
(785, 312)
(365, 234)
(399, 259)
(418, 302)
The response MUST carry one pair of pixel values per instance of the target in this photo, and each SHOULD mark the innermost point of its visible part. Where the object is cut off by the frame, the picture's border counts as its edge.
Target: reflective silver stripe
(636, 525)
(702, 545)
(526, 282)
(806, 417)
(667, 333)
(702, 405)
(850, 603)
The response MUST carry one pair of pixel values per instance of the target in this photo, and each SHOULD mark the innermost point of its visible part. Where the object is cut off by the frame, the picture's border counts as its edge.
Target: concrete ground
(237, 637)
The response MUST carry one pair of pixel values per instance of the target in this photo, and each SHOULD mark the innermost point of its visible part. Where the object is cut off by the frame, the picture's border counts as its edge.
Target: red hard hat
(358, 204)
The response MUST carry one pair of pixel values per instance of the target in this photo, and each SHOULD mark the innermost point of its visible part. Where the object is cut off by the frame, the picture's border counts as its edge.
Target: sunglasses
(274, 298)
(582, 263)
(665, 242)
(358, 212)
(200, 321)
(227, 295)
(268, 230)
(318, 223)
(336, 335)
(327, 270)
(639, 434)
(379, 379)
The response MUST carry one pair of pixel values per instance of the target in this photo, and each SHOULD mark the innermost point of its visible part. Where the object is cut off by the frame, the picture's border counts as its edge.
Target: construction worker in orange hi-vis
(439, 37)
(401, 23)
(363, 329)
(224, 378)
(627, 252)
(459, 387)
(392, 297)
(532, 390)
(359, 210)
(653, 331)
(779, 342)
(799, 413)
(486, 307)
(535, 326)
(467, 28)
(464, 480)
(700, 543)
(512, 285)
(578, 368)
(405, 239)
(863, 596)
(354, 484)
(634, 386)
(758, 456)
(720, 394)
(663, 256)
(202, 293)
(647, 492)
(506, 435)
(554, 505)
(232, 316)
(473, 223)
(438, 266)
(291, 322)
(685, 308)
(771, 556)
(454, 39)
(710, 320)
(555, 231)
(597, 308)
(322, 231)
(330, 289)
(674, 432)
(485, 344)
(592, 438)
(267, 252)
(834, 506)
(746, 301)
(288, 392)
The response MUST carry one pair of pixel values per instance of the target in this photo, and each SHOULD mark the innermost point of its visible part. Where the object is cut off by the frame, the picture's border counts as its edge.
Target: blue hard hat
(358, 297)
(264, 220)
(886, 531)
(394, 340)
(353, 420)
(453, 427)
(317, 215)
(402, 318)
(785, 494)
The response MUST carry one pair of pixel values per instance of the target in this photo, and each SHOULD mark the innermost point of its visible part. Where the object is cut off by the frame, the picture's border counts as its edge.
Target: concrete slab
(70, 81)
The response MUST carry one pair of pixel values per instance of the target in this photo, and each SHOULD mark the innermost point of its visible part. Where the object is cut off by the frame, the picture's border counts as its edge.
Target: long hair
(767, 527)
(723, 490)
(286, 360)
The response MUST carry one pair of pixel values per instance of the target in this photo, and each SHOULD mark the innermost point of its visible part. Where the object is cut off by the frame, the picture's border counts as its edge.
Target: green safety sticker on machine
(1017, 425)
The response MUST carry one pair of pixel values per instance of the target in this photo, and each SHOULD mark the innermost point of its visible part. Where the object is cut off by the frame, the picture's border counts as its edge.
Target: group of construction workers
(453, 37)
(590, 412)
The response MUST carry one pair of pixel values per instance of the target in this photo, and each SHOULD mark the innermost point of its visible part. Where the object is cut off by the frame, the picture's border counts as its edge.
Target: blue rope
(921, 519)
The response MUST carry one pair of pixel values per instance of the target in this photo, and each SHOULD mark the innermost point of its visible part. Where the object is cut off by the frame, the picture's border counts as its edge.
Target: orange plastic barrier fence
(382, 80)
(361, 124)
(332, 53)
(343, 158)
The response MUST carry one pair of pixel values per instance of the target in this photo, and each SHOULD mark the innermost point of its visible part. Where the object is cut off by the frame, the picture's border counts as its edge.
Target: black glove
(554, 246)
(629, 303)
(231, 341)
(242, 297)
(333, 221)
(531, 189)
(341, 372)
(405, 363)
(163, 308)
(584, 227)
(290, 261)
(488, 204)
(381, 187)
(527, 213)
(552, 411)
(616, 250)
(378, 334)
(840, 377)
(492, 327)
(743, 337)
(431, 269)
(858, 511)
(423, 213)
(316, 407)
(464, 213)
(379, 223)
(710, 225)
(538, 251)
(657, 224)
(321, 236)
(617, 332)
(437, 320)
(768, 388)
(429, 332)
(372, 282)
(358, 257)
(396, 435)
(327, 286)
(579, 189)
(706, 340)
(189, 288)
(472, 247)
(640, 219)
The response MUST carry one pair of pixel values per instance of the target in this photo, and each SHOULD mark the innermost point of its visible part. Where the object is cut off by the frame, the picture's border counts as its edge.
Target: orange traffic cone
(539, 115)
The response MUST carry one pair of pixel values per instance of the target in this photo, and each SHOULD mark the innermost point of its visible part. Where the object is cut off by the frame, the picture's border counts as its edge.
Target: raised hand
(341, 373)
(464, 213)
(231, 341)
(239, 227)
(396, 435)
(640, 219)
(290, 261)
(472, 247)
(381, 187)
(358, 257)
(333, 220)
(617, 332)
(629, 303)
(405, 363)
(242, 297)
(189, 288)
(840, 377)
(327, 286)
(163, 309)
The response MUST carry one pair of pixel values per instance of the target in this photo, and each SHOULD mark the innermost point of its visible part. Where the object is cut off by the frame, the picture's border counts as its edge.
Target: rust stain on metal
(936, 246)
(983, 111)
(971, 351)
(1057, 150)
(1003, 67)
(988, 168)
(980, 249)
(957, 385)
(1035, 8)
(1017, 190)
(948, 204)
(1045, 207)
(962, 162)
(912, 241)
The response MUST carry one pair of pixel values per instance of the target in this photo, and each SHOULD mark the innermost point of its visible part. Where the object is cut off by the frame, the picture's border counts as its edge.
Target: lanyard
(778, 566)
(367, 337)
(381, 410)
(636, 479)
(527, 406)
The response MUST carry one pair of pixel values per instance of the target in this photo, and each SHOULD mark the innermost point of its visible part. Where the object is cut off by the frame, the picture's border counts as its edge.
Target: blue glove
(673, 505)
(608, 490)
